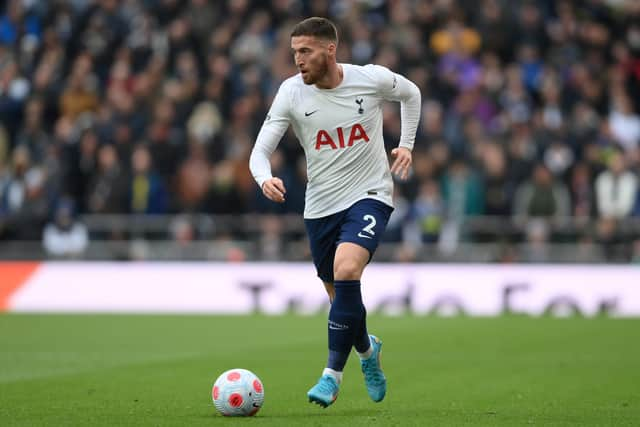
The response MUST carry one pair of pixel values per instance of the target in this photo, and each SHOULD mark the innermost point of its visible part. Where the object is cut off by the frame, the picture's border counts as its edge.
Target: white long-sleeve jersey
(340, 130)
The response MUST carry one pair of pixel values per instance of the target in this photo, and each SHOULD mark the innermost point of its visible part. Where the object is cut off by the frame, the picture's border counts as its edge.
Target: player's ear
(331, 48)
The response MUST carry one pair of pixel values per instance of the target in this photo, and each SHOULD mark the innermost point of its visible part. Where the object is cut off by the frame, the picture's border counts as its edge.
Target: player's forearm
(259, 163)
(410, 103)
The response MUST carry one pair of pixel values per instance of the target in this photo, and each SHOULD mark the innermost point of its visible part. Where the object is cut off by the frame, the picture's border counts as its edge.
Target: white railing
(282, 238)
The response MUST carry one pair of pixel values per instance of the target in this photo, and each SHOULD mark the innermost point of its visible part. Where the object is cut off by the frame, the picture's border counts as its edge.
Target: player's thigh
(360, 233)
(323, 234)
(364, 224)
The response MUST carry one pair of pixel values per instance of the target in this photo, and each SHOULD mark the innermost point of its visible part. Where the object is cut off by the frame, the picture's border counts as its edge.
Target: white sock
(337, 375)
(367, 354)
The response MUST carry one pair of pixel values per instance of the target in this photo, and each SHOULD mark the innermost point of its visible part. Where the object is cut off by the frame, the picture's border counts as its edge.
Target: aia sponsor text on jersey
(336, 139)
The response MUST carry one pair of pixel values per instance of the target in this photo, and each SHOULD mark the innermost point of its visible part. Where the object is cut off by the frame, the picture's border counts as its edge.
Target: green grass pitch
(111, 370)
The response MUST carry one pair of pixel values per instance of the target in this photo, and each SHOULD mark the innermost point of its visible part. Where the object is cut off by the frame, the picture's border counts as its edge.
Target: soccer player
(335, 110)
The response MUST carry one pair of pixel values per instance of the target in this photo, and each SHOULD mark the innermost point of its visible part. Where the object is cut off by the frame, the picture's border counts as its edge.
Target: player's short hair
(318, 27)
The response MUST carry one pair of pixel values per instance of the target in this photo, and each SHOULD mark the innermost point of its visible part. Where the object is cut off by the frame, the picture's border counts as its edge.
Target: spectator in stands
(455, 38)
(624, 123)
(498, 196)
(108, 186)
(81, 161)
(65, 236)
(16, 22)
(33, 134)
(193, 178)
(397, 224)
(582, 192)
(147, 193)
(558, 158)
(428, 211)
(541, 196)
(223, 196)
(616, 189)
(14, 90)
(23, 199)
(80, 94)
(462, 191)
(166, 138)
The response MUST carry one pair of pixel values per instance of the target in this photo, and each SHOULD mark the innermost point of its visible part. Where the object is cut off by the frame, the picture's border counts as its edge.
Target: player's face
(311, 57)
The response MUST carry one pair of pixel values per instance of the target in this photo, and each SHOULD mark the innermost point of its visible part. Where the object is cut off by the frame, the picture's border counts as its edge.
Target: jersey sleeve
(395, 87)
(274, 126)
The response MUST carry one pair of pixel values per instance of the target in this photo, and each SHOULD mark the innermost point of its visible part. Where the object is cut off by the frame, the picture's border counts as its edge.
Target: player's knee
(347, 269)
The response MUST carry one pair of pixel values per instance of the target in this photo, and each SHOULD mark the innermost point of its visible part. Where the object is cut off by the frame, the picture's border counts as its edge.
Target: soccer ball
(238, 392)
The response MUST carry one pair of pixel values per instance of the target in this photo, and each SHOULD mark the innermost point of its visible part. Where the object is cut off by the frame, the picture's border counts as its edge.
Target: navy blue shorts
(363, 224)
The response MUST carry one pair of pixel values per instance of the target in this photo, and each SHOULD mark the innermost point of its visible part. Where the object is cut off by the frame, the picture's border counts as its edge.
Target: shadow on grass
(312, 416)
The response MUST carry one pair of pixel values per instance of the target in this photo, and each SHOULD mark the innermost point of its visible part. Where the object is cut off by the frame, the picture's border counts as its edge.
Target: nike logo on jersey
(363, 235)
(308, 114)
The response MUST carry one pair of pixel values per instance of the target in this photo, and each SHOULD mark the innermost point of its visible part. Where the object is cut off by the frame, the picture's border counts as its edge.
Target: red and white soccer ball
(238, 393)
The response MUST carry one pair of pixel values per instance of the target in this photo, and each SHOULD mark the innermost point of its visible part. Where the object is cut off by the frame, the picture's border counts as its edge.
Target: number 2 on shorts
(369, 227)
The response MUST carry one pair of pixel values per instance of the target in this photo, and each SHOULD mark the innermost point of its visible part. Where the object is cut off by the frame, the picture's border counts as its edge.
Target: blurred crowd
(152, 106)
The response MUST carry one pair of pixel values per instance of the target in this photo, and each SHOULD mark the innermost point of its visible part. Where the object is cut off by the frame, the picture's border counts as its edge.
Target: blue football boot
(373, 377)
(325, 392)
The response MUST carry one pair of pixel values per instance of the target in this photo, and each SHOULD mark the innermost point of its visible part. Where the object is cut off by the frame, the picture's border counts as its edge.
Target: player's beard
(312, 77)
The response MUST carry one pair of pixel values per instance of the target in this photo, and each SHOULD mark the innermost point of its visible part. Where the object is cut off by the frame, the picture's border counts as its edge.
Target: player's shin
(345, 319)
(362, 342)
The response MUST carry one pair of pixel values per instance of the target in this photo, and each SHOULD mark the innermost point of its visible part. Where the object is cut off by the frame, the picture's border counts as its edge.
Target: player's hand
(274, 190)
(402, 162)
